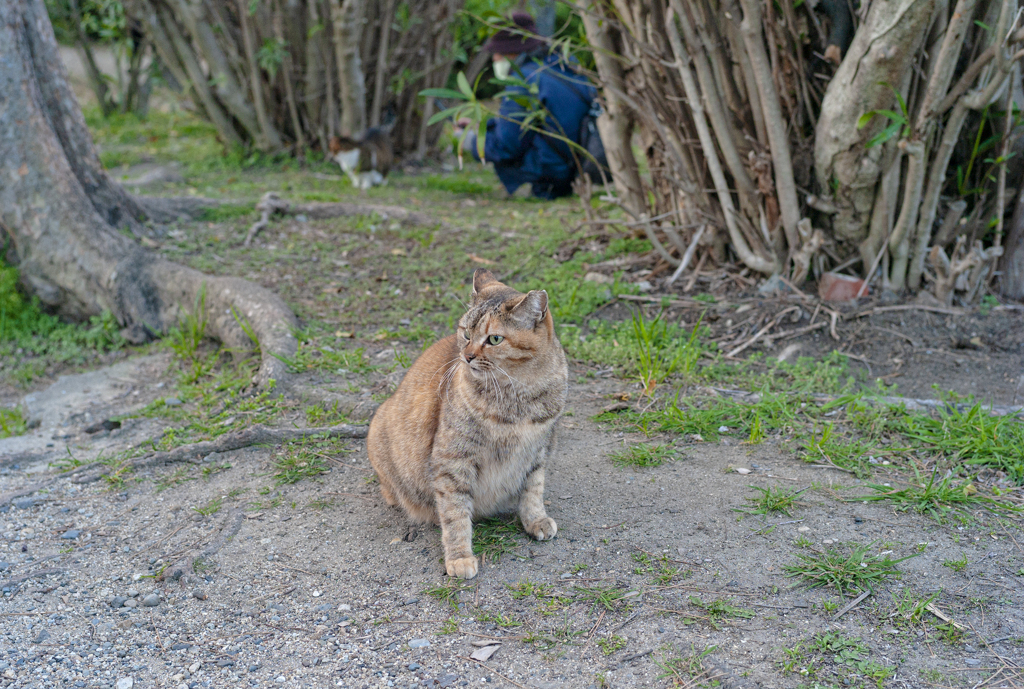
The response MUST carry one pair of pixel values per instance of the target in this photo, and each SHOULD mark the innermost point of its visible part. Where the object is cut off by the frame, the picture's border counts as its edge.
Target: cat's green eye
(494, 339)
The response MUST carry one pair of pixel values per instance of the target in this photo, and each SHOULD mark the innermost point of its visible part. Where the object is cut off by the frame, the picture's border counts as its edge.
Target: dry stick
(688, 256)
(851, 605)
(775, 123)
(743, 250)
(771, 324)
(972, 73)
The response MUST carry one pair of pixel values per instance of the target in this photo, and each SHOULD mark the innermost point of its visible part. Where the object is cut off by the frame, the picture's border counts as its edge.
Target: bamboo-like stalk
(775, 124)
(380, 77)
(746, 254)
(899, 241)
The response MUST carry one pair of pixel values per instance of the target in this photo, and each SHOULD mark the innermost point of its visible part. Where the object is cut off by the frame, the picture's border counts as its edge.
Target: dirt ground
(218, 572)
(320, 584)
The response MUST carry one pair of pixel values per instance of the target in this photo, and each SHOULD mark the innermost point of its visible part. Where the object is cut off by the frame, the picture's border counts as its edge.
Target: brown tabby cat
(468, 432)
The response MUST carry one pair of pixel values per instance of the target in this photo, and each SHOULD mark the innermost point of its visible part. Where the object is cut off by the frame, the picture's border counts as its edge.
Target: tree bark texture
(288, 73)
(70, 225)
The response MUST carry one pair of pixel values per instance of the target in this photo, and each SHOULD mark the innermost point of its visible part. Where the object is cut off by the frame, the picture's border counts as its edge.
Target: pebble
(484, 654)
(973, 662)
(125, 683)
(254, 668)
(225, 662)
(413, 667)
(171, 402)
(194, 668)
(41, 637)
(131, 603)
(151, 601)
(447, 681)
(4, 566)
(419, 643)
(179, 646)
(803, 529)
(199, 595)
(133, 593)
(25, 503)
(71, 534)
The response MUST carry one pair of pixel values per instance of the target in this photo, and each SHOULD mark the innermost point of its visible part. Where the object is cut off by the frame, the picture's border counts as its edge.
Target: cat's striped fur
(468, 432)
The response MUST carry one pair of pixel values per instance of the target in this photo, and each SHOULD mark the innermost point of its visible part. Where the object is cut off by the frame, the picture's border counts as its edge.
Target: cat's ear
(481, 278)
(531, 309)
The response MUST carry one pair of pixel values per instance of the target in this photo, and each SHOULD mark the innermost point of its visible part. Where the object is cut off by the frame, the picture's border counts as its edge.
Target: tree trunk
(347, 16)
(1011, 284)
(615, 124)
(63, 214)
(877, 58)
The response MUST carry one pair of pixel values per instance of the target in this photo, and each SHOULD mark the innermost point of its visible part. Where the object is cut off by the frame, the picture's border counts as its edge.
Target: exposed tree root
(165, 210)
(256, 435)
(272, 204)
(912, 404)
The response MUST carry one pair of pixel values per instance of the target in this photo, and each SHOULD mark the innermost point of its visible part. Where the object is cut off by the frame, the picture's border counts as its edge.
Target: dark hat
(520, 37)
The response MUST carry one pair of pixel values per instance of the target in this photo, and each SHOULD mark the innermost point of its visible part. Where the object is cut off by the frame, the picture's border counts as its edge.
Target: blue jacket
(528, 157)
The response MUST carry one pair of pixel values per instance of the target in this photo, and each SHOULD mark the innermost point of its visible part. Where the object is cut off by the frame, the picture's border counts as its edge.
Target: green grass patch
(495, 537)
(524, 588)
(210, 508)
(831, 654)
(643, 456)
(611, 644)
(325, 415)
(299, 462)
(12, 422)
(610, 598)
(938, 498)
(454, 185)
(771, 500)
(227, 211)
(448, 592)
(857, 570)
(958, 565)
(831, 447)
(718, 611)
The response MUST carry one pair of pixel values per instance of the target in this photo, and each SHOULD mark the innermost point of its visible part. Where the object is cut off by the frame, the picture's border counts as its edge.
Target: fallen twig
(851, 605)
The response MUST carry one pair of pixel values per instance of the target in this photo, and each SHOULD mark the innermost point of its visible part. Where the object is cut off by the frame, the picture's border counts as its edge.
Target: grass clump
(937, 499)
(525, 588)
(299, 463)
(447, 592)
(611, 644)
(957, 565)
(643, 456)
(857, 570)
(850, 657)
(831, 448)
(210, 508)
(687, 670)
(454, 185)
(717, 611)
(495, 537)
(12, 422)
(32, 341)
(771, 500)
(608, 597)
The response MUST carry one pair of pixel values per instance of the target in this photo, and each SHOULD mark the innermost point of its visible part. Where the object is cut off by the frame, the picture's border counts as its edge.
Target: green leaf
(481, 135)
(983, 25)
(884, 135)
(863, 120)
(464, 85)
(444, 114)
(441, 93)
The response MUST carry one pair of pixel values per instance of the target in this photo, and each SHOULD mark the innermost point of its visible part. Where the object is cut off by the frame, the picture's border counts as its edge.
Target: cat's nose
(469, 355)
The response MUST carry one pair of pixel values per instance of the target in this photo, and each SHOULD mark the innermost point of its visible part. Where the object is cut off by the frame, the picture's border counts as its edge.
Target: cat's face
(505, 332)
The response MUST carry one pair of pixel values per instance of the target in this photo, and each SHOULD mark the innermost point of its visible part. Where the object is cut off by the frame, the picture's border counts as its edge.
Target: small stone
(279, 679)
(71, 534)
(4, 566)
(125, 683)
(803, 529)
(25, 503)
(644, 286)
(317, 594)
(179, 647)
(344, 607)
(447, 681)
(151, 601)
(301, 218)
(254, 668)
(973, 662)
(484, 654)
(41, 637)
(419, 643)
(599, 278)
(225, 662)
(131, 603)
(133, 593)
(199, 595)
(172, 402)
(565, 575)
(194, 668)
(117, 601)
(413, 667)
(412, 601)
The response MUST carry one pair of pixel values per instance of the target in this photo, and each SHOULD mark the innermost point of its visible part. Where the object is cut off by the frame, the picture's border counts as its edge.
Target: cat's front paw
(543, 529)
(463, 567)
